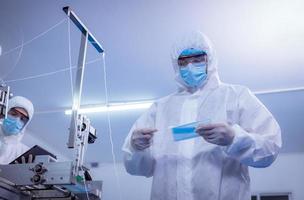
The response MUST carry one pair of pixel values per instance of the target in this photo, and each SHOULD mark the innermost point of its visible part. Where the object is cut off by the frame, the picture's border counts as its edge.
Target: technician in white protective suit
(241, 132)
(20, 113)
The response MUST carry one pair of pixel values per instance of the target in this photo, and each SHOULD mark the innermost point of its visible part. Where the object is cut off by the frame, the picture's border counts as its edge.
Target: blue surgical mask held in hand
(194, 74)
(12, 125)
(186, 131)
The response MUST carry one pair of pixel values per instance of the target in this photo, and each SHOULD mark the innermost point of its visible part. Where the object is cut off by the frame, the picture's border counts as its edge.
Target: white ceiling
(259, 44)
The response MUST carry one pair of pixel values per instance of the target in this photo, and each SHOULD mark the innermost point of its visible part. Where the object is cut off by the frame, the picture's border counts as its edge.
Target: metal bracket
(79, 136)
(4, 98)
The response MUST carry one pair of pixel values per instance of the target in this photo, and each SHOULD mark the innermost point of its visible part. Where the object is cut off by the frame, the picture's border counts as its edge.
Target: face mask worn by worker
(187, 131)
(193, 66)
(12, 125)
(194, 74)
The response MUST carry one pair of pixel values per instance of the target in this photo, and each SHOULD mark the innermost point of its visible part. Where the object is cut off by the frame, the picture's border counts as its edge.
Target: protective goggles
(191, 56)
(15, 112)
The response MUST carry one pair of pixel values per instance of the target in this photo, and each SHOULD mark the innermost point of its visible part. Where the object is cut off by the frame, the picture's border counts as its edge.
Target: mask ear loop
(207, 63)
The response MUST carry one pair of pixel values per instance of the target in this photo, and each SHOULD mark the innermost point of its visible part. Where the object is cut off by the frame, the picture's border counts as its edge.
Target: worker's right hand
(141, 138)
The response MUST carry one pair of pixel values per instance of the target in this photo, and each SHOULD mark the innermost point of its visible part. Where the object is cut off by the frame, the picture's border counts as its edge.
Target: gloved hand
(141, 138)
(23, 160)
(220, 134)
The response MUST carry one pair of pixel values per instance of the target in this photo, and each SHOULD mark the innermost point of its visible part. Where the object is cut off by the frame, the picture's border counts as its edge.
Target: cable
(110, 126)
(34, 38)
(85, 185)
(49, 73)
(31, 40)
(18, 58)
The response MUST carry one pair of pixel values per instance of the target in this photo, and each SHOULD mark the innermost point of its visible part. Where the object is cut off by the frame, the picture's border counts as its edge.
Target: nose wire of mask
(187, 131)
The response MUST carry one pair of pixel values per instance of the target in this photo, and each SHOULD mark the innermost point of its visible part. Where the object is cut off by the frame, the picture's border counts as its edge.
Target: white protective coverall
(195, 169)
(11, 146)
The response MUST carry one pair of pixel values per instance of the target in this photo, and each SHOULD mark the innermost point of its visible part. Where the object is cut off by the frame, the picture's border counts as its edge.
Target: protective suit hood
(199, 41)
(22, 102)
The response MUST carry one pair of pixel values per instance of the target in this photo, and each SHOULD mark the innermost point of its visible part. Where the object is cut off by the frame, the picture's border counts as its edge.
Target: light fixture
(113, 107)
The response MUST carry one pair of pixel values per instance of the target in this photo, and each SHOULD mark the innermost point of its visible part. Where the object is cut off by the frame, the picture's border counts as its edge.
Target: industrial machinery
(4, 97)
(47, 178)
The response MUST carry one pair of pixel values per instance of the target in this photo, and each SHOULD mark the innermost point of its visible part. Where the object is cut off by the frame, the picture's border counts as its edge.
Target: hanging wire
(85, 185)
(43, 74)
(18, 58)
(49, 73)
(34, 38)
(110, 126)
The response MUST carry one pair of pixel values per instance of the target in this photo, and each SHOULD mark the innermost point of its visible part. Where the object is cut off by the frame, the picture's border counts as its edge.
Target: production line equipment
(46, 177)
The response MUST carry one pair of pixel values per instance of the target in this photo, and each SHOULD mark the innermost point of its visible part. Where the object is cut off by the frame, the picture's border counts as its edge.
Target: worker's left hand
(220, 134)
(23, 160)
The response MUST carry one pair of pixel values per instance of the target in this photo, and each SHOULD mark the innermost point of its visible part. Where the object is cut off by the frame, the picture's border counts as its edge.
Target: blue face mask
(194, 74)
(12, 125)
(187, 131)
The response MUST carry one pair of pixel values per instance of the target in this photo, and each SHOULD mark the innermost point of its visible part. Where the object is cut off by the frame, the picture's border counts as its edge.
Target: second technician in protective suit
(241, 133)
(20, 113)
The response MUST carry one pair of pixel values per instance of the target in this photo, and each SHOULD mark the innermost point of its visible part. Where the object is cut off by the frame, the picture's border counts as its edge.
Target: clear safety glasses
(15, 113)
(183, 61)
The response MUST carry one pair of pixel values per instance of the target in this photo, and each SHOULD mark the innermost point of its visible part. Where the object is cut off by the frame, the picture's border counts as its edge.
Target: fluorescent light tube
(113, 107)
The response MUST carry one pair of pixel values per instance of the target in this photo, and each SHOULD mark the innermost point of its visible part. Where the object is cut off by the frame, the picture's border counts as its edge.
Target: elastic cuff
(240, 141)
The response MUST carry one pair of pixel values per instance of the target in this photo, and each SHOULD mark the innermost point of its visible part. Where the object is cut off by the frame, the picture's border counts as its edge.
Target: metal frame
(78, 138)
(46, 178)
(259, 194)
(4, 98)
(85, 37)
(83, 28)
